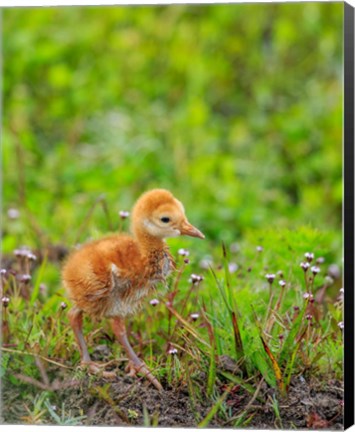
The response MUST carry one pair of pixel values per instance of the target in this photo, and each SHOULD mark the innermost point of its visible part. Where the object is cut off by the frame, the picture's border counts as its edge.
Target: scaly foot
(98, 369)
(134, 368)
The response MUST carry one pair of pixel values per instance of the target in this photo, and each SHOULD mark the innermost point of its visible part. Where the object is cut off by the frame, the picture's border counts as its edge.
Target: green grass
(270, 340)
(248, 136)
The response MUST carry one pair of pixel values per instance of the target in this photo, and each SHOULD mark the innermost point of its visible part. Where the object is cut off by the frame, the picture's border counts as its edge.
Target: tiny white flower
(13, 213)
(31, 256)
(341, 325)
(259, 248)
(195, 279)
(194, 316)
(23, 251)
(63, 305)
(305, 265)
(154, 302)
(183, 252)
(328, 280)
(282, 283)
(123, 214)
(5, 301)
(232, 267)
(307, 295)
(270, 277)
(315, 270)
(341, 290)
(309, 256)
(206, 263)
(234, 247)
(172, 351)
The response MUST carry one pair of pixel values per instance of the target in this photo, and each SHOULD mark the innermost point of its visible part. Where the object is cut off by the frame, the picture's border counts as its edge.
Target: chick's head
(159, 214)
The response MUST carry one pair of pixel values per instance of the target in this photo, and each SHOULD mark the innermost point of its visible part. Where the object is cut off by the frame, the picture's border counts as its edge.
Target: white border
(53, 3)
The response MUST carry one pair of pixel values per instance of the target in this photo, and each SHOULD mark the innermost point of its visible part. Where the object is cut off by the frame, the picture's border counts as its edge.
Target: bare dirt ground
(310, 404)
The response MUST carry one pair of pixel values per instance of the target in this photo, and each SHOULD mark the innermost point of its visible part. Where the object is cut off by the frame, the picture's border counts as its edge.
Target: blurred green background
(235, 108)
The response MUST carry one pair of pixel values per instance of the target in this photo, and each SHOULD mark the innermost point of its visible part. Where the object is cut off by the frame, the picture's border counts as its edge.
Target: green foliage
(242, 118)
(235, 108)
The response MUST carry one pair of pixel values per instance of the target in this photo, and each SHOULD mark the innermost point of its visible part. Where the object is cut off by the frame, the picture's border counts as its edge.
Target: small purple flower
(309, 256)
(5, 301)
(328, 280)
(195, 316)
(63, 305)
(3, 272)
(315, 270)
(123, 214)
(234, 247)
(270, 278)
(305, 266)
(296, 308)
(232, 267)
(172, 351)
(195, 279)
(183, 252)
(281, 337)
(186, 261)
(25, 278)
(280, 274)
(31, 256)
(320, 260)
(334, 271)
(154, 302)
(13, 213)
(206, 263)
(259, 248)
(341, 325)
(307, 295)
(22, 251)
(282, 283)
(309, 317)
(43, 288)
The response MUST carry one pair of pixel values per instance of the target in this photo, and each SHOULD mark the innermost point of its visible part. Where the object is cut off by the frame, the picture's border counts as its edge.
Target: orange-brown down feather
(111, 276)
(111, 270)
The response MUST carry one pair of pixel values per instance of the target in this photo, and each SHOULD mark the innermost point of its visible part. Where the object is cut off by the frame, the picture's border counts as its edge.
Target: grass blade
(288, 345)
(35, 290)
(213, 411)
(289, 366)
(237, 380)
(237, 338)
(188, 327)
(275, 365)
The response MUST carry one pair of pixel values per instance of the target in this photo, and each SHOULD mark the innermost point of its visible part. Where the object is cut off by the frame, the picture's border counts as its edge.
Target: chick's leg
(76, 322)
(136, 365)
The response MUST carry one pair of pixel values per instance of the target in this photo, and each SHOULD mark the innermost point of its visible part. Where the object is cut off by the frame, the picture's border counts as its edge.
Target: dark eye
(165, 219)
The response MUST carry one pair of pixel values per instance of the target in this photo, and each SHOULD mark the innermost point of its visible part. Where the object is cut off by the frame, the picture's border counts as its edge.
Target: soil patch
(310, 404)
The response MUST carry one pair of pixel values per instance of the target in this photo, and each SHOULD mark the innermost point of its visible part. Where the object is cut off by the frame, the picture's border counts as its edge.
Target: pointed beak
(190, 230)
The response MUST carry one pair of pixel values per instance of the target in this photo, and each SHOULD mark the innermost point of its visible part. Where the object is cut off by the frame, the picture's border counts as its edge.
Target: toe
(141, 368)
(97, 369)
